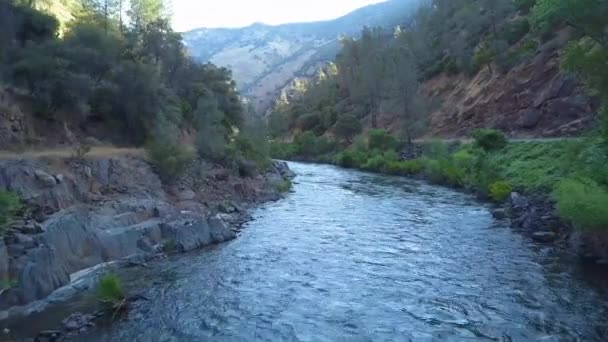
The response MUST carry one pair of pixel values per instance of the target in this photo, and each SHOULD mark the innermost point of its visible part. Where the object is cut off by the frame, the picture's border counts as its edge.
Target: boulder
(500, 213)
(283, 169)
(45, 178)
(4, 265)
(544, 237)
(529, 118)
(40, 274)
(518, 202)
(190, 232)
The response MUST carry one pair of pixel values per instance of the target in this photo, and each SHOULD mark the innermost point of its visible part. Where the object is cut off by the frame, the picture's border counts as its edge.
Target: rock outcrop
(99, 210)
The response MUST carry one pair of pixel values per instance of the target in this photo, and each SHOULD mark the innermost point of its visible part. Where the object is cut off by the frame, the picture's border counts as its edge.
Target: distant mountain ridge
(264, 58)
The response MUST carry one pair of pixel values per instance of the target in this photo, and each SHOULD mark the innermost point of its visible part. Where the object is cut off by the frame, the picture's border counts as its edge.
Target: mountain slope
(266, 58)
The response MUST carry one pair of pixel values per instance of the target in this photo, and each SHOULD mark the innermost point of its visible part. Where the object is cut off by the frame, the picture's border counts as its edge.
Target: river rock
(500, 213)
(191, 232)
(544, 237)
(77, 321)
(4, 265)
(283, 169)
(45, 178)
(518, 201)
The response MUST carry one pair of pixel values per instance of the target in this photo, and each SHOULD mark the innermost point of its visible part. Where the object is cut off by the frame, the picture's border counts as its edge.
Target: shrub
(380, 139)
(582, 202)
(347, 127)
(516, 30)
(376, 163)
(283, 186)
(284, 151)
(500, 190)
(444, 171)
(9, 208)
(403, 168)
(309, 122)
(489, 139)
(352, 158)
(109, 290)
(170, 159)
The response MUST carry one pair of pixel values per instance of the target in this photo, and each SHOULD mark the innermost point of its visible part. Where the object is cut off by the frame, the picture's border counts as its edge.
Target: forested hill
(532, 68)
(264, 59)
(113, 72)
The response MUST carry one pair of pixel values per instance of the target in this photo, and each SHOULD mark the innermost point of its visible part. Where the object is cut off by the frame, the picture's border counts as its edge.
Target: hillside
(264, 58)
(517, 66)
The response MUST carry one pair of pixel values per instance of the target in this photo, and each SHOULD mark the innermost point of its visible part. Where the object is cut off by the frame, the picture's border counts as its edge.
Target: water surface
(360, 257)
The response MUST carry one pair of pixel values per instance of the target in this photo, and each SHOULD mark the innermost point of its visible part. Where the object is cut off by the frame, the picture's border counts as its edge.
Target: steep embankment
(265, 59)
(112, 207)
(533, 99)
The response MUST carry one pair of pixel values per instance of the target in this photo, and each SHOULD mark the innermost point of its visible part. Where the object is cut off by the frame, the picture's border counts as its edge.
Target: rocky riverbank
(534, 215)
(82, 215)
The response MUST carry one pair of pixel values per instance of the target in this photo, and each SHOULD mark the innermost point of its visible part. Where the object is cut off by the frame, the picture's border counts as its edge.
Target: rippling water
(354, 256)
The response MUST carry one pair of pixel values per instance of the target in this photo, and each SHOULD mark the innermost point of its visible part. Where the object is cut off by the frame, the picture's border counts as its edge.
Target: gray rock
(60, 178)
(45, 178)
(518, 201)
(283, 169)
(191, 232)
(500, 213)
(186, 195)
(544, 237)
(27, 241)
(529, 118)
(42, 273)
(4, 265)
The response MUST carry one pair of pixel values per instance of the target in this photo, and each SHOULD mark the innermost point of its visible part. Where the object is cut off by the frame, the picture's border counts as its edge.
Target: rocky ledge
(84, 214)
(534, 215)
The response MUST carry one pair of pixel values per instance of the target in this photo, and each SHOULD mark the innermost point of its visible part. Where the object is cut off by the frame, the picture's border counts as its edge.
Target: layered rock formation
(82, 214)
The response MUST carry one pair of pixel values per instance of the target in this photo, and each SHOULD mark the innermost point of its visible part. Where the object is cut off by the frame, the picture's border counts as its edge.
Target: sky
(191, 14)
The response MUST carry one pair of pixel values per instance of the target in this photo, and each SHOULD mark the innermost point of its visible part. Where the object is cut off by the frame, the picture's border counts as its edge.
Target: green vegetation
(583, 202)
(110, 291)
(489, 139)
(120, 65)
(170, 158)
(283, 186)
(10, 205)
(500, 190)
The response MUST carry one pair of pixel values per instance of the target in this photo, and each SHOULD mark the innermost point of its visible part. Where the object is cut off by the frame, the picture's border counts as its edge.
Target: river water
(350, 256)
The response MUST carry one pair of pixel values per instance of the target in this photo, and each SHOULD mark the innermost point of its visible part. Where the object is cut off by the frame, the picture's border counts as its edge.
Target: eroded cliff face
(103, 209)
(534, 99)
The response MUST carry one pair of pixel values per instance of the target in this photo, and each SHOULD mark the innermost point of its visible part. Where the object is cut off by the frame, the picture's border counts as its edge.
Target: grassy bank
(573, 172)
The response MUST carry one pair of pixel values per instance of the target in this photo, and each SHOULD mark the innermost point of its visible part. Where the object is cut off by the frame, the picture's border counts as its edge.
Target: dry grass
(96, 152)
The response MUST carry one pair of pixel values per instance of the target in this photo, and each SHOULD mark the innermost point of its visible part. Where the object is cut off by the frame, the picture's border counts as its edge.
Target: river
(351, 256)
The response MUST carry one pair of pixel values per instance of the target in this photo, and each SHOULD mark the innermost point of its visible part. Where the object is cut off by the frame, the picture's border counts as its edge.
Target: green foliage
(109, 290)
(283, 151)
(10, 205)
(489, 139)
(352, 158)
(499, 191)
(582, 202)
(515, 30)
(443, 171)
(128, 78)
(283, 186)
(484, 55)
(379, 139)
(309, 122)
(404, 168)
(347, 127)
(170, 158)
(169, 246)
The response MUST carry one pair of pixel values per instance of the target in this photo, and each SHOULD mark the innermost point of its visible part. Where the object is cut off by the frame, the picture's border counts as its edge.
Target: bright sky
(191, 14)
